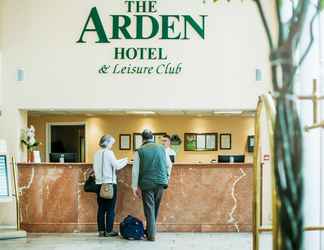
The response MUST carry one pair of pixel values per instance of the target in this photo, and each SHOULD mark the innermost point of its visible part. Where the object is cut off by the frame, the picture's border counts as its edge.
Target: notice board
(4, 177)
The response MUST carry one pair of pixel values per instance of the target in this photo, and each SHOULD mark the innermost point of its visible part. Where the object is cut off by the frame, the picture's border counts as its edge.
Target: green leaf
(24, 142)
(321, 4)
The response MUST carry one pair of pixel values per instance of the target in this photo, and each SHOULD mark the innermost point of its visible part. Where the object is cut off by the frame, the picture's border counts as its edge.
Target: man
(150, 176)
(166, 141)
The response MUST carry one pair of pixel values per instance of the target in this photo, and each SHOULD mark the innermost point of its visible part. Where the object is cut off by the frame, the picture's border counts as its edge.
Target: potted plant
(175, 142)
(28, 139)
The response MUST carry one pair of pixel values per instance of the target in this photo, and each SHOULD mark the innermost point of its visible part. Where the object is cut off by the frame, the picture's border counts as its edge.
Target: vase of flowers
(28, 139)
(176, 142)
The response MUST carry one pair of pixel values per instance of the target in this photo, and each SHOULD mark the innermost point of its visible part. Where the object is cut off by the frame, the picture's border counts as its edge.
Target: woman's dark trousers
(106, 212)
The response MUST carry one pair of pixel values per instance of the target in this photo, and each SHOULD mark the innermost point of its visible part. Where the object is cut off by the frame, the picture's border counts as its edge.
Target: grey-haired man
(150, 177)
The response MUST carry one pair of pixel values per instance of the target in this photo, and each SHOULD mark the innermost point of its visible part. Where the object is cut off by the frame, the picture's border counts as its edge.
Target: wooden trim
(178, 165)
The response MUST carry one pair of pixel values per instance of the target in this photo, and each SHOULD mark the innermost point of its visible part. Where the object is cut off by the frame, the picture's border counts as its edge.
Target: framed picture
(211, 142)
(190, 142)
(225, 141)
(157, 137)
(250, 143)
(125, 142)
(200, 142)
(137, 141)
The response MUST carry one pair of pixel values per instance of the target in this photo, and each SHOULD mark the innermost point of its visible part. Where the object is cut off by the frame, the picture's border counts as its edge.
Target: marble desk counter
(202, 197)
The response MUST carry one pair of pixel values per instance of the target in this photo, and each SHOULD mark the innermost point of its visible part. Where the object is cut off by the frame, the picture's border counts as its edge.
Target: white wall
(40, 37)
(1, 82)
(219, 72)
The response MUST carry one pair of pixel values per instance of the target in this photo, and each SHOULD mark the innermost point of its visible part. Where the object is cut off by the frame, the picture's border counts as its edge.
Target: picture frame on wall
(190, 142)
(125, 142)
(200, 141)
(157, 137)
(225, 141)
(137, 141)
(211, 141)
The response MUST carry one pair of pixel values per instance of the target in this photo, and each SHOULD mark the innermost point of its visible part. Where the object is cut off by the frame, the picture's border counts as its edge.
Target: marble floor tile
(166, 241)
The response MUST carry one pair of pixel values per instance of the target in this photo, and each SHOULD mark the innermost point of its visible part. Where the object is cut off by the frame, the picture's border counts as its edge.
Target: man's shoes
(101, 233)
(151, 238)
(147, 237)
(111, 234)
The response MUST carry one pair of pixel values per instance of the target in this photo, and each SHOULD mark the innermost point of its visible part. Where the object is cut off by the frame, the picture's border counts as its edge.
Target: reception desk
(200, 198)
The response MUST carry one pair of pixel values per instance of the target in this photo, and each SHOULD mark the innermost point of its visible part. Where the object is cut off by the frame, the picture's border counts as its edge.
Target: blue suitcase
(132, 228)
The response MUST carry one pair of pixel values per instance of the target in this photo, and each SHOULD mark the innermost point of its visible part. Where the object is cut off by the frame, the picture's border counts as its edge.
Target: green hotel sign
(141, 22)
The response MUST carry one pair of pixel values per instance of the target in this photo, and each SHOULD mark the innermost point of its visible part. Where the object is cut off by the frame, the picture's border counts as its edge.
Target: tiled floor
(166, 241)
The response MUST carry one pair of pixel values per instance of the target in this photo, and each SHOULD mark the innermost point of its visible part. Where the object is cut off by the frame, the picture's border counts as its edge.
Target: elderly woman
(105, 166)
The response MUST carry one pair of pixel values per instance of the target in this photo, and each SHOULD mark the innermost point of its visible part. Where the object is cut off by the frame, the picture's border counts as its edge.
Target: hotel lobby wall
(1, 74)
(40, 36)
(239, 127)
(1, 82)
(218, 72)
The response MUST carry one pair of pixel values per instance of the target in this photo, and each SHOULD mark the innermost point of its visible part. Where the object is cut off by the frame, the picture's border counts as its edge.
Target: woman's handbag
(107, 189)
(90, 185)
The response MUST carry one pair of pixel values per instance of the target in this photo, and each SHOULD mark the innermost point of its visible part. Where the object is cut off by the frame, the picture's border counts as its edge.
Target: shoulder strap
(112, 174)
(112, 169)
(102, 164)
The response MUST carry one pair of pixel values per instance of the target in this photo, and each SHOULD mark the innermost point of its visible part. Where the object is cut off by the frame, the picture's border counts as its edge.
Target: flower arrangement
(28, 138)
(176, 140)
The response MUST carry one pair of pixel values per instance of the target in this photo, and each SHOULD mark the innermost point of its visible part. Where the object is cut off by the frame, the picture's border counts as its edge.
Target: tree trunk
(289, 172)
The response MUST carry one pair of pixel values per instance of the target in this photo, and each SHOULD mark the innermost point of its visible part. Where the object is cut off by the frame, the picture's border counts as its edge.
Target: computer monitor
(235, 158)
(239, 158)
(68, 157)
(223, 158)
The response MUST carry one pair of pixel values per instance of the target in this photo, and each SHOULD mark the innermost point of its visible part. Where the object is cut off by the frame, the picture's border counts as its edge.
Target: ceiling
(199, 113)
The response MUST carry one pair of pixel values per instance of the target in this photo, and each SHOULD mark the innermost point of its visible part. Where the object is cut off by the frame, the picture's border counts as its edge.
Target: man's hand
(137, 193)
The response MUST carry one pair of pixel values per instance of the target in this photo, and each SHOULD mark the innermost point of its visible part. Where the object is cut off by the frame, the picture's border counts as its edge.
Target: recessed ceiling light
(228, 112)
(141, 112)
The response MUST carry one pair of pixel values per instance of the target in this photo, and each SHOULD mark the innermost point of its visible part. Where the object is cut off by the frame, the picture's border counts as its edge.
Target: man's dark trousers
(151, 203)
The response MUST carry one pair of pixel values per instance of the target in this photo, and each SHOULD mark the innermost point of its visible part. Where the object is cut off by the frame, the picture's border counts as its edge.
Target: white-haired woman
(105, 166)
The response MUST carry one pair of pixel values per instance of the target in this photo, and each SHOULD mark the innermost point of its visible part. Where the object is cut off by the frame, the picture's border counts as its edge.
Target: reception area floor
(166, 241)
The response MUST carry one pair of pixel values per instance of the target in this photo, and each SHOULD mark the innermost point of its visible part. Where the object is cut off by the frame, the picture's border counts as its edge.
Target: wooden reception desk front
(200, 198)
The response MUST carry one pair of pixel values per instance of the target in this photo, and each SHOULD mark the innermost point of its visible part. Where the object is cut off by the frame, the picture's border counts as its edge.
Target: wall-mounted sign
(250, 143)
(4, 177)
(141, 21)
(266, 158)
